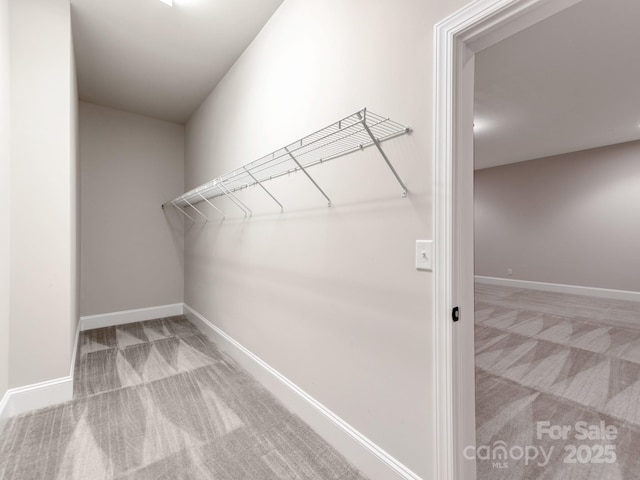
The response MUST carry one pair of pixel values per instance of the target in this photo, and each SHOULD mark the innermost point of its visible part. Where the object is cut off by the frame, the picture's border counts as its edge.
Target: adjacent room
(557, 203)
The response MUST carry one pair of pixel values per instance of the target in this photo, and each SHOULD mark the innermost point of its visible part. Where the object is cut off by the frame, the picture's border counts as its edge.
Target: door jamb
(457, 39)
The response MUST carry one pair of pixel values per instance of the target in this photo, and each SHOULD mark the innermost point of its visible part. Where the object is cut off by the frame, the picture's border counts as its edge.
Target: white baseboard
(365, 455)
(561, 288)
(33, 397)
(129, 316)
(39, 395)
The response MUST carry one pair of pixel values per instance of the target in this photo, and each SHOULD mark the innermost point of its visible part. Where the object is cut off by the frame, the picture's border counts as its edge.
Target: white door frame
(457, 39)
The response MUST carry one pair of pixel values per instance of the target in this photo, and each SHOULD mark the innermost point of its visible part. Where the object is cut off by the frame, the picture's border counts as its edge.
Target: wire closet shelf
(357, 131)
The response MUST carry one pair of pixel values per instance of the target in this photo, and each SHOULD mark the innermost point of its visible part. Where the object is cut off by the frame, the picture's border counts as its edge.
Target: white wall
(328, 296)
(131, 254)
(5, 185)
(43, 182)
(569, 219)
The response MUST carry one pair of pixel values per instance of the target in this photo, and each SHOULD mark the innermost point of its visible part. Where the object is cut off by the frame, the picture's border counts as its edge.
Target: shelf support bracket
(308, 176)
(202, 214)
(214, 207)
(183, 212)
(376, 142)
(234, 199)
(263, 188)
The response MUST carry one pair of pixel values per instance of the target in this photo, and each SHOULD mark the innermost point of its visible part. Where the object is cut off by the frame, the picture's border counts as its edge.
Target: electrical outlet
(509, 271)
(424, 255)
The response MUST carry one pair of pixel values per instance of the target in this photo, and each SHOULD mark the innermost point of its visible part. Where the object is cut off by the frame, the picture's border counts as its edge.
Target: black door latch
(455, 314)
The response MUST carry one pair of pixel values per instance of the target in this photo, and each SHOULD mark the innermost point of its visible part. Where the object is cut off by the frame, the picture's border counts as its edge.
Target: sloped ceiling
(145, 57)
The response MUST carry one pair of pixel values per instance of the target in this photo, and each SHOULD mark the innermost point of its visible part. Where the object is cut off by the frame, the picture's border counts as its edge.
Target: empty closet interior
(262, 168)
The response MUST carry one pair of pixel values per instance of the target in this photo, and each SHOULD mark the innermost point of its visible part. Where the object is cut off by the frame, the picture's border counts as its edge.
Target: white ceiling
(145, 57)
(568, 83)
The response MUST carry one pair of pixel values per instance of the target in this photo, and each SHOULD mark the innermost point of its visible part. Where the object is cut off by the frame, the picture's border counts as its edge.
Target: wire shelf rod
(327, 159)
(357, 131)
(358, 143)
(329, 127)
(333, 156)
(269, 163)
(362, 131)
(302, 144)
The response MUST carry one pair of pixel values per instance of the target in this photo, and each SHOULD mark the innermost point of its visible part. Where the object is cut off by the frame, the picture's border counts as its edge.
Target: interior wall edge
(364, 454)
(42, 204)
(5, 197)
(74, 352)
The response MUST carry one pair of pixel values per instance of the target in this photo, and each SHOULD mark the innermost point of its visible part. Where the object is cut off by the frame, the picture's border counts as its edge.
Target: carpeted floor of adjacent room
(561, 359)
(156, 400)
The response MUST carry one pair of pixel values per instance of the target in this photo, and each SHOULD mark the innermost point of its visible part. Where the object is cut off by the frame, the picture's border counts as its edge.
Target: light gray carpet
(562, 359)
(156, 400)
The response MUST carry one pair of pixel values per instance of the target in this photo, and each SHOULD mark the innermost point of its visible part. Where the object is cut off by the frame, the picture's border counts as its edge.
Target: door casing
(457, 39)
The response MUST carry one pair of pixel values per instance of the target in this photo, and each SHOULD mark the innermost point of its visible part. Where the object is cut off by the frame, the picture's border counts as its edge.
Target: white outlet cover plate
(424, 255)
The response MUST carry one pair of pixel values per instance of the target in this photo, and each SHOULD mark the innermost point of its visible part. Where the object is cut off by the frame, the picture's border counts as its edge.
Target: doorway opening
(458, 38)
(557, 330)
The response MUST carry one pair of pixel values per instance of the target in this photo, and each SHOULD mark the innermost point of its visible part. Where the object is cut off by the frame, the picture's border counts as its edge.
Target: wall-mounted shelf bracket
(307, 174)
(182, 212)
(258, 182)
(234, 199)
(212, 205)
(355, 132)
(376, 142)
(201, 214)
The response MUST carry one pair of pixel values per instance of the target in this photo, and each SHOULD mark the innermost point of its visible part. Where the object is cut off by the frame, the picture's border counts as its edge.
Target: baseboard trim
(111, 319)
(33, 397)
(365, 455)
(39, 395)
(561, 288)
